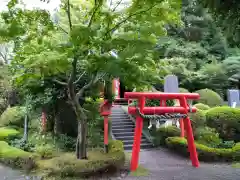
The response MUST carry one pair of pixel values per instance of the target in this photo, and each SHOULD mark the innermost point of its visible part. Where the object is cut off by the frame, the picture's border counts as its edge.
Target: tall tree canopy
(226, 13)
(76, 51)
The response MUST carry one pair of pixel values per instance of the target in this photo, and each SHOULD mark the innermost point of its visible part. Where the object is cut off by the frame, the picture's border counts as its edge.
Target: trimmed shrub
(198, 119)
(207, 136)
(7, 133)
(209, 97)
(46, 151)
(15, 157)
(226, 121)
(13, 116)
(164, 132)
(3, 105)
(68, 166)
(205, 153)
(183, 90)
(201, 106)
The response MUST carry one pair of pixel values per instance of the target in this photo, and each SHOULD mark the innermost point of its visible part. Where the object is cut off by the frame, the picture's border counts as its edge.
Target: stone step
(143, 146)
(117, 126)
(122, 129)
(131, 141)
(125, 138)
(119, 117)
(122, 123)
(120, 134)
(118, 114)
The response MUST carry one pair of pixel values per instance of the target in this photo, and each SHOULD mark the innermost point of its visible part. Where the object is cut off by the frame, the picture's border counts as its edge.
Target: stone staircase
(121, 101)
(123, 129)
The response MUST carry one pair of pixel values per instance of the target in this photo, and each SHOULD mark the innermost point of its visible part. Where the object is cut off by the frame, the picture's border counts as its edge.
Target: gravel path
(162, 165)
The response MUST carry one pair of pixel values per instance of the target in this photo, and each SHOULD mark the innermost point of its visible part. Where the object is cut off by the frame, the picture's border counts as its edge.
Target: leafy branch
(68, 10)
(118, 3)
(96, 7)
(80, 77)
(92, 82)
(129, 17)
(60, 82)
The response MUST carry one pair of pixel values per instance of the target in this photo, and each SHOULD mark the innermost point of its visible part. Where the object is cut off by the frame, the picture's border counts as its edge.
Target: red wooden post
(106, 133)
(182, 127)
(183, 109)
(105, 109)
(161, 110)
(137, 136)
(190, 138)
(44, 122)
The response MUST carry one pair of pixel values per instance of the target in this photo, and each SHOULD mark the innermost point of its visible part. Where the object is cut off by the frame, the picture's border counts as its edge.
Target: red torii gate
(183, 108)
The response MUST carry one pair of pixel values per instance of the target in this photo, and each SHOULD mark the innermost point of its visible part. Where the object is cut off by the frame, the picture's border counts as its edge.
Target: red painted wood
(137, 137)
(106, 130)
(157, 95)
(160, 110)
(183, 108)
(190, 139)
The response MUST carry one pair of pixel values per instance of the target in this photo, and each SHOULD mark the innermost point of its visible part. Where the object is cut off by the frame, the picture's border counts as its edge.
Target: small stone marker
(171, 84)
(233, 97)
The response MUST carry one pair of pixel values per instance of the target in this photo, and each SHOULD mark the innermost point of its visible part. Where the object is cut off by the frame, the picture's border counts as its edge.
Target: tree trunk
(81, 145)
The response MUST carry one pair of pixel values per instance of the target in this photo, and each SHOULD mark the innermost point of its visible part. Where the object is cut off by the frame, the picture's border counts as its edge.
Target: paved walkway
(162, 165)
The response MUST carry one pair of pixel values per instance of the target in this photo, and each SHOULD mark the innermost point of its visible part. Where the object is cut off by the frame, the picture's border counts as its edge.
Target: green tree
(226, 13)
(82, 49)
(194, 48)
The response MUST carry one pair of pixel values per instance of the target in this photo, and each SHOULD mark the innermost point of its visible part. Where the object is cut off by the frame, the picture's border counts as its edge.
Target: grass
(7, 132)
(7, 151)
(140, 171)
(236, 165)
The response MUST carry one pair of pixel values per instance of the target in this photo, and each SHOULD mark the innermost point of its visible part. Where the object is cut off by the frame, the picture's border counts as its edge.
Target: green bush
(46, 151)
(198, 119)
(65, 143)
(67, 165)
(13, 116)
(8, 133)
(226, 144)
(209, 97)
(3, 105)
(226, 121)
(179, 145)
(164, 132)
(207, 136)
(15, 157)
(22, 144)
(183, 90)
(201, 106)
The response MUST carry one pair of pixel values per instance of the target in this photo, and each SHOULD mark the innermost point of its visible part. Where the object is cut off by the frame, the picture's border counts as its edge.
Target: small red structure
(105, 111)
(183, 109)
(44, 122)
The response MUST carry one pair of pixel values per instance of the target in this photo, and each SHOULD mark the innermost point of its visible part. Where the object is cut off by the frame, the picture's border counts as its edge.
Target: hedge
(164, 132)
(209, 97)
(208, 154)
(183, 90)
(15, 157)
(226, 121)
(198, 119)
(98, 162)
(201, 106)
(3, 105)
(207, 136)
(13, 116)
(8, 133)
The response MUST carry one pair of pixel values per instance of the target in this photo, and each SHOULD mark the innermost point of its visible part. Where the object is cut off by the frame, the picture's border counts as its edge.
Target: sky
(34, 4)
(51, 6)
